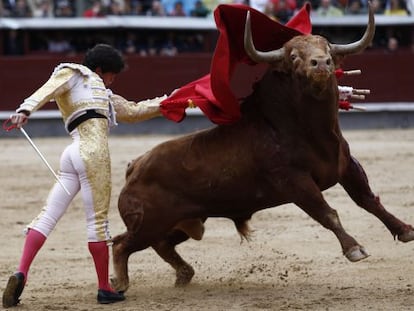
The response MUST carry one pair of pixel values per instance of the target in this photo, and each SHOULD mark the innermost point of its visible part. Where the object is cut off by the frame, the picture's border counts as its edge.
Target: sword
(38, 152)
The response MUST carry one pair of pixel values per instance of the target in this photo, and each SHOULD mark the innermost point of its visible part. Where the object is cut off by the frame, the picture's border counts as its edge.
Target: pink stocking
(33, 243)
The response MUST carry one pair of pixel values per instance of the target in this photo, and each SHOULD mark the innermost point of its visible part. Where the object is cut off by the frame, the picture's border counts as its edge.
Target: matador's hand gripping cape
(212, 93)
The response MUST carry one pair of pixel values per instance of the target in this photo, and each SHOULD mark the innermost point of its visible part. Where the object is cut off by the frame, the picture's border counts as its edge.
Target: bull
(286, 148)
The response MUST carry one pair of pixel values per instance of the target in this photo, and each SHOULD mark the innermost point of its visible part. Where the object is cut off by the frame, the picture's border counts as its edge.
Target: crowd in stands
(171, 43)
(100, 8)
(281, 10)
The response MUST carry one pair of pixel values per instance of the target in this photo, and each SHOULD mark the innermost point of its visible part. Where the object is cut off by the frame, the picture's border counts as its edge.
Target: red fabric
(198, 92)
(212, 93)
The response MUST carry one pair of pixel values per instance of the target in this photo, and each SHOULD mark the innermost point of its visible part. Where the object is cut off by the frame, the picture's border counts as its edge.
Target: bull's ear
(293, 55)
(289, 61)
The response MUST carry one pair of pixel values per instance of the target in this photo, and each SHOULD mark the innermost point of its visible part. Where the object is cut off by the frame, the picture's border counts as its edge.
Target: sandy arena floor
(292, 263)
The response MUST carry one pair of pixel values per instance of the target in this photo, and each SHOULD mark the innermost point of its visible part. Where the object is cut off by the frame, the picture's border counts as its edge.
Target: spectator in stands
(377, 6)
(6, 7)
(169, 47)
(133, 44)
(396, 7)
(327, 8)
(269, 10)
(21, 9)
(95, 10)
(129, 46)
(212, 4)
(2, 10)
(392, 45)
(43, 8)
(64, 8)
(156, 9)
(151, 46)
(187, 6)
(410, 7)
(355, 7)
(290, 4)
(13, 43)
(283, 11)
(199, 10)
(393, 34)
(59, 44)
(341, 4)
(191, 44)
(115, 8)
(314, 3)
(135, 8)
(178, 9)
(259, 5)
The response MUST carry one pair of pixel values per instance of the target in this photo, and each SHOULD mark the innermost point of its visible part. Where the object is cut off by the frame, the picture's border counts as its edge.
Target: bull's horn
(363, 43)
(257, 56)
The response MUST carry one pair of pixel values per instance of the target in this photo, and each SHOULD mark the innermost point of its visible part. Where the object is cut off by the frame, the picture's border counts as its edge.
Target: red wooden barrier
(388, 76)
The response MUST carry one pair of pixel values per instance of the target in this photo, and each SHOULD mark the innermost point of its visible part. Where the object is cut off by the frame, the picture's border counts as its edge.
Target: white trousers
(75, 173)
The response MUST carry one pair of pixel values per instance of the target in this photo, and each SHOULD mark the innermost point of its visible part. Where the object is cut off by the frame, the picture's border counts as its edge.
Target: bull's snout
(320, 68)
(321, 63)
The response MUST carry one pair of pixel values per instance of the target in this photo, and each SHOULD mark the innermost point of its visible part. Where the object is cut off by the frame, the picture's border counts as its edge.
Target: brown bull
(287, 148)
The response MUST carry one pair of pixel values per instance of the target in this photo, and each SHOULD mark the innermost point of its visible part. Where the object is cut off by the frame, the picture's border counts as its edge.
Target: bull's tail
(243, 228)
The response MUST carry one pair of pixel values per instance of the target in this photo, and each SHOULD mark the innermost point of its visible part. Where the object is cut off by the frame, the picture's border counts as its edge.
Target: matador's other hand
(191, 104)
(19, 119)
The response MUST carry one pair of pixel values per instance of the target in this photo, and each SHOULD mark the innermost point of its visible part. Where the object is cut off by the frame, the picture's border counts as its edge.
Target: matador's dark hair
(105, 57)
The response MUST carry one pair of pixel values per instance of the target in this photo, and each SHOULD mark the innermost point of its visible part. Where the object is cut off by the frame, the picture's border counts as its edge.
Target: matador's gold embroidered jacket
(76, 88)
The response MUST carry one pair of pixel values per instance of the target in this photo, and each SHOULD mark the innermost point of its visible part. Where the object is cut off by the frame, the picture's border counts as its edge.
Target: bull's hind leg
(166, 250)
(131, 211)
(355, 183)
(309, 198)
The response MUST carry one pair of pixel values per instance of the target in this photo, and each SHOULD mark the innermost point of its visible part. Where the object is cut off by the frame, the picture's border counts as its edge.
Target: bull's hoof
(356, 253)
(121, 288)
(184, 275)
(406, 236)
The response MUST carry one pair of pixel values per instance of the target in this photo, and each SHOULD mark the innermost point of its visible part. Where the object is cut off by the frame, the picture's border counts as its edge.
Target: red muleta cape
(212, 93)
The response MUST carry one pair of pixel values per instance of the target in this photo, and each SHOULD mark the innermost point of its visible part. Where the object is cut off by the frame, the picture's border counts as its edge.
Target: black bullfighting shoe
(14, 289)
(106, 296)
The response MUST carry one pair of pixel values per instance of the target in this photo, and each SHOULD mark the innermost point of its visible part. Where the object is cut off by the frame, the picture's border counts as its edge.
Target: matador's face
(107, 77)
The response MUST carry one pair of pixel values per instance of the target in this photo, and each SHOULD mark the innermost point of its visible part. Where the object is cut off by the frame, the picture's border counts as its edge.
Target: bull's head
(309, 55)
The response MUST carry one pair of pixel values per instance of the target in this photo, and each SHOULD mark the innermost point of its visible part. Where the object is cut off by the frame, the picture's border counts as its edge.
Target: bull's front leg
(355, 183)
(166, 250)
(310, 199)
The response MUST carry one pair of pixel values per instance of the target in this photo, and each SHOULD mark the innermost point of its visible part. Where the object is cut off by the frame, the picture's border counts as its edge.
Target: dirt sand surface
(292, 263)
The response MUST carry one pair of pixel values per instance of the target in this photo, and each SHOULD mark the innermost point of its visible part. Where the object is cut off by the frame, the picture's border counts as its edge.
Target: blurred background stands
(169, 41)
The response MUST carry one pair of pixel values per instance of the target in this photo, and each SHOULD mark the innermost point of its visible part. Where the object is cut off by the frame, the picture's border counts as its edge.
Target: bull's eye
(314, 62)
(293, 56)
(328, 62)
